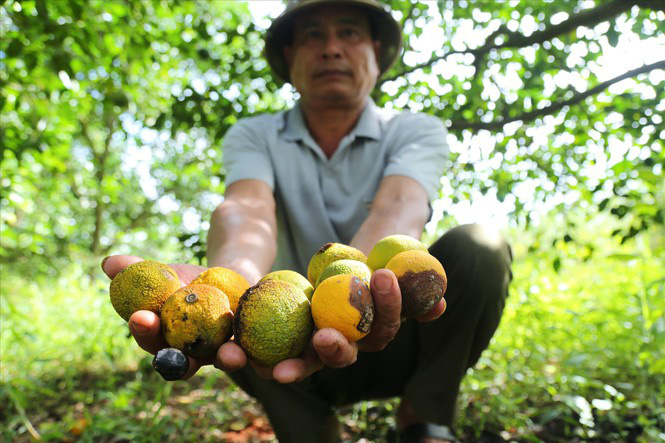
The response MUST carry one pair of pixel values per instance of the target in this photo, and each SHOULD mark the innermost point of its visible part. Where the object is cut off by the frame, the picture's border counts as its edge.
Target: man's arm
(242, 237)
(400, 207)
(243, 230)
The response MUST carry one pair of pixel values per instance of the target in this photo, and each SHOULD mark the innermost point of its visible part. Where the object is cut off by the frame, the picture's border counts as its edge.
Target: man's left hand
(330, 348)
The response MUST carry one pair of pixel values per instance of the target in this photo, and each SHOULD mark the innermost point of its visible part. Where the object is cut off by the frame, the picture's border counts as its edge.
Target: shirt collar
(369, 124)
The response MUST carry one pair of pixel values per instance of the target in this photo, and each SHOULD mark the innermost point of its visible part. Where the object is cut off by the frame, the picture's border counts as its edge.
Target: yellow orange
(343, 302)
(197, 320)
(142, 286)
(329, 253)
(226, 280)
(422, 281)
(292, 277)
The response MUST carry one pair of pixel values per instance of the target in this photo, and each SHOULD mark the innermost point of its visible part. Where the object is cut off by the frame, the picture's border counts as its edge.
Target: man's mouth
(332, 73)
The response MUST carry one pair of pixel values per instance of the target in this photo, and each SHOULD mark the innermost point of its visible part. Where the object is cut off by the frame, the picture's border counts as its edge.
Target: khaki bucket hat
(384, 26)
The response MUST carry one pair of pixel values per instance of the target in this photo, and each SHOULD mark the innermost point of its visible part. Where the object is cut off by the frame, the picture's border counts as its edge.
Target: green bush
(578, 355)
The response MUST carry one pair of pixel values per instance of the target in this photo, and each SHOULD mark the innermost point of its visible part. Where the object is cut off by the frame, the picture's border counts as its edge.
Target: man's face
(333, 58)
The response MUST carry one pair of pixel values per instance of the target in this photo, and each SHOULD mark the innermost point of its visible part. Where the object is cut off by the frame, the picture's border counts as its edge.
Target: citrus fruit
(273, 321)
(343, 302)
(144, 285)
(329, 253)
(389, 246)
(197, 319)
(422, 281)
(292, 277)
(226, 280)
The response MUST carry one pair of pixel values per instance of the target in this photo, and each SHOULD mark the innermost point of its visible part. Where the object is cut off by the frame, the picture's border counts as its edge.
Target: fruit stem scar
(191, 298)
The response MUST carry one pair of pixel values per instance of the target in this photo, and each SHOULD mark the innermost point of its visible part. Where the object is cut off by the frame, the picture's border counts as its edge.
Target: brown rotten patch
(360, 298)
(421, 291)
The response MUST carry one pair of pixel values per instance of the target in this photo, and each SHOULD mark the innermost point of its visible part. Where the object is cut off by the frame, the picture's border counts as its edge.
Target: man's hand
(146, 328)
(330, 348)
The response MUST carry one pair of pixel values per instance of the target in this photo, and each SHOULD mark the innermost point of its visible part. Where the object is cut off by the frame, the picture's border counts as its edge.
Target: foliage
(532, 114)
(109, 110)
(579, 355)
(113, 114)
(111, 128)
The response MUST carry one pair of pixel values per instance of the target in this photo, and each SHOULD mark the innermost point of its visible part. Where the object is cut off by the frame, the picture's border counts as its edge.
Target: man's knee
(475, 252)
(477, 240)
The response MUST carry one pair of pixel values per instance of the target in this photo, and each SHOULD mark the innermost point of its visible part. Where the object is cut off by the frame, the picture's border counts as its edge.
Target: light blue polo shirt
(323, 200)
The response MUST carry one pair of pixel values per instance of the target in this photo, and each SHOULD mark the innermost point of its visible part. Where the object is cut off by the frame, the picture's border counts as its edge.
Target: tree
(524, 77)
(110, 111)
(113, 113)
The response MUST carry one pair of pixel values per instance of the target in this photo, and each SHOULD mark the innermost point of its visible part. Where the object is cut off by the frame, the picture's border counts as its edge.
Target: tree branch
(134, 222)
(100, 173)
(418, 67)
(531, 115)
(656, 5)
(587, 17)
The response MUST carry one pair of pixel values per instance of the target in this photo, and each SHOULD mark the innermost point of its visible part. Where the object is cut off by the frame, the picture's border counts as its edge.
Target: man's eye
(312, 34)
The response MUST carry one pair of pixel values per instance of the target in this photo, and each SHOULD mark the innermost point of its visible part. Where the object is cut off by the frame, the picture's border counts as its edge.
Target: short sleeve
(419, 151)
(245, 152)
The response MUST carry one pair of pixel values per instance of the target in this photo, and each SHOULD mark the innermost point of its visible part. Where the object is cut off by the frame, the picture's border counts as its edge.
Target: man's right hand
(145, 326)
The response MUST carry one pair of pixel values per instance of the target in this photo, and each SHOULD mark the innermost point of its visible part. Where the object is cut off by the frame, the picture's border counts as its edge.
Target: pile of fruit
(275, 319)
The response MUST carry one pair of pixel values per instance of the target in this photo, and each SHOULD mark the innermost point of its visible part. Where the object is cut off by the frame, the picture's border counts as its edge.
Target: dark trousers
(424, 363)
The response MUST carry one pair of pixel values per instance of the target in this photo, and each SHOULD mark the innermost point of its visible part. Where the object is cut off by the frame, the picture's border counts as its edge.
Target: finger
(387, 308)
(187, 273)
(434, 313)
(297, 369)
(113, 264)
(194, 366)
(290, 371)
(333, 348)
(230, 357)
(146, 329)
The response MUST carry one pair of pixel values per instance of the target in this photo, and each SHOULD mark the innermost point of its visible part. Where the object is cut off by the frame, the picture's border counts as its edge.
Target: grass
(578, 357)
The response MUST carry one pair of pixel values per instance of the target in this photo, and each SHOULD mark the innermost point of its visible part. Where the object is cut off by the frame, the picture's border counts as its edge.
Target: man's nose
(332, 47)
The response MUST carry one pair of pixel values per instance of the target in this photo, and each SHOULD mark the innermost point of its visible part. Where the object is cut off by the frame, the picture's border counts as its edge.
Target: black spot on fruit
(323, 248)
(192, 348)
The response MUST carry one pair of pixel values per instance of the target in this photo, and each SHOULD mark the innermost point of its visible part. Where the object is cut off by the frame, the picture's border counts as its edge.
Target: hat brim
(385, 27)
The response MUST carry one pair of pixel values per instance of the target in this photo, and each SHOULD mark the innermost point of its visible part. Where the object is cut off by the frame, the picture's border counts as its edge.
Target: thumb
(387, 296)
(387, 308)
(113, 264)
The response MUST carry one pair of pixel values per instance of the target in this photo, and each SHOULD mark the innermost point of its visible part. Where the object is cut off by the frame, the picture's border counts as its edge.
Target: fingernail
(138, 328)
(104, 261)
(383, 283)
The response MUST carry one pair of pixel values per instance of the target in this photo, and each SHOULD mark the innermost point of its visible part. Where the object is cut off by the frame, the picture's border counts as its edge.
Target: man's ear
(377, 54)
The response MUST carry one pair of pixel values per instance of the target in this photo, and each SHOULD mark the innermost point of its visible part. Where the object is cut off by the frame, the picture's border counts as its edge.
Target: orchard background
(113, 115)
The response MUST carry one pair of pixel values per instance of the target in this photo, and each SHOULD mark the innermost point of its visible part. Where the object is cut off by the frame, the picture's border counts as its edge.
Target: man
(337, 168)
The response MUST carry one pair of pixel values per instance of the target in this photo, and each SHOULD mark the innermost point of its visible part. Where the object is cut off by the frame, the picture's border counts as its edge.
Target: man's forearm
(400, 207)
(242, 238)
(387, 221)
